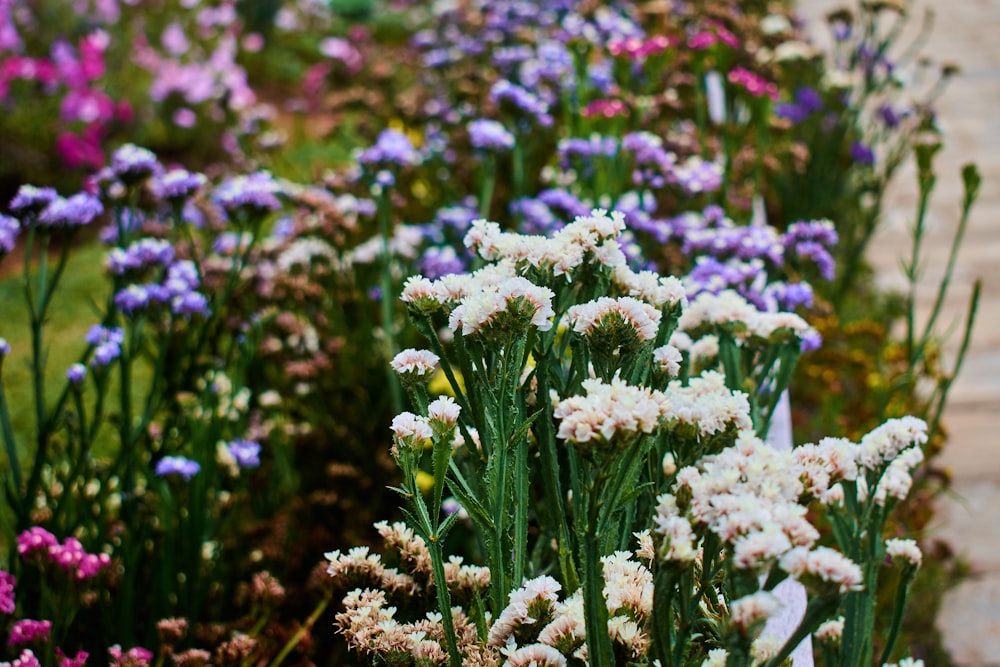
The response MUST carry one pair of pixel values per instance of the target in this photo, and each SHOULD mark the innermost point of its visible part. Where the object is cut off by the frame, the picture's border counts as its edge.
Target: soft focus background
(964, 33)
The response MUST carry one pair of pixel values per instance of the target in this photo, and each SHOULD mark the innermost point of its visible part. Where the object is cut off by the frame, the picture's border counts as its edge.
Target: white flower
(609, 410)
(601, 313)
(668, 358)
(906, 550)
(752, 609)
(831, 631)
(823, 564)
(408, 427)
(444, 411)
(478, 310)
(418, 362)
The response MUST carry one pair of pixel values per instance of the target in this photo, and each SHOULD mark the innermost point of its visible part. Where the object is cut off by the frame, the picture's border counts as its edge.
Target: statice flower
(807, 102)
(139, 255)
(489, 135)
(136, 656)
(246, 453)
(26, 659)
(391, 148)
(536, 216)
(27, 630)
(416, 363)
(503, 305)
(9, 227)
(256, 193)
(751, 611)
(76, 211)
(904, 550)
(602, 316)
(133, 163)
(31, 199)
(609, 412)
(696, 175)
(35, 541)
(107, 344)
(753, 83)
(176, 184)
(440, 261)
(508, 95)
(4, 348)
(7, 598)
(177, 465)
(76, 373)
(862, 154)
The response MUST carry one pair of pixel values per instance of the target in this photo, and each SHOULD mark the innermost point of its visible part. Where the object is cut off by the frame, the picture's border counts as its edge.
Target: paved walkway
(966, 32)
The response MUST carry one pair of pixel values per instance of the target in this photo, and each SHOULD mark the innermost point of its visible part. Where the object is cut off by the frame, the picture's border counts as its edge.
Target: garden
(468, 332)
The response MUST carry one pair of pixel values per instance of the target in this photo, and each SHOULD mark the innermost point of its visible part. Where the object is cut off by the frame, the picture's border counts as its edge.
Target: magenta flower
(7, 600)
(27, 630)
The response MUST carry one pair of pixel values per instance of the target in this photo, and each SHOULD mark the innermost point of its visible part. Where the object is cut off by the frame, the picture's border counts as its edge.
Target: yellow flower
(425, 481)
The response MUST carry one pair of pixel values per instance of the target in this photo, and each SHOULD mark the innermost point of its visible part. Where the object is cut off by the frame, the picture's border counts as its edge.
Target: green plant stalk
(902, 591)
(444, 600)
(303, 630)
(489, 181)
(386, 302)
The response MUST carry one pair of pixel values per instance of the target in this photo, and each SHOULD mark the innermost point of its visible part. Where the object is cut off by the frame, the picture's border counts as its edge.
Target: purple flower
(133, 163)
(440, 261)
(391, 148)
(245, 452)
(811, 340)
(77, 211)
(31, 199)
(488, 135)
(254, 193)
(4, 348)
(176, 184)
(7, 598)
(107, 344)
(385, 179)
(509, 95)
(536, 216)
(76, 373)
(862, 154)
(139, 255)
(27, 630)
(177, 465)
(889, 116)
(9, 227)
(132, 298)
(189, 303)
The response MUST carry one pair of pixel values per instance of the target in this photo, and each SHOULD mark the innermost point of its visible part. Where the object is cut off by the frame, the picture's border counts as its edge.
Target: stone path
(966, 32)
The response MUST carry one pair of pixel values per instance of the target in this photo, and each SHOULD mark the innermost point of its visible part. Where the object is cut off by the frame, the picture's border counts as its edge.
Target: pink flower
(80, 151)
(605, 108)
(7, 599)
(27, 630)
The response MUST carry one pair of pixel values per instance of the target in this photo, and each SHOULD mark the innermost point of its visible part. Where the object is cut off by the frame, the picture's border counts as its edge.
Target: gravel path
(966, 32)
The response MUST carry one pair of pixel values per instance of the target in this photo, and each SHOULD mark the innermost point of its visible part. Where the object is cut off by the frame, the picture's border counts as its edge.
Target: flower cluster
(39, 545)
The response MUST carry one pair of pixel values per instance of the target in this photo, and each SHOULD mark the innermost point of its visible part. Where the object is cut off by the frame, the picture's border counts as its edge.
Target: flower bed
(578, 446)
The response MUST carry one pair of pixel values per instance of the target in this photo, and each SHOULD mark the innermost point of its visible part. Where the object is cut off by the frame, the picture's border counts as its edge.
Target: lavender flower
(490, 135)
(177, 465)
(177, 184)
(440, 261)
(862, 154)
(4, 348)
(255, 193)
(132, 298)
(133, 163)
(107, 344)
(189, 303)
(506, 94)
(391, 148)
(76, 373)
(31, 199)
(245, 452)
(139, 255)
(9, 227)
(76, 211)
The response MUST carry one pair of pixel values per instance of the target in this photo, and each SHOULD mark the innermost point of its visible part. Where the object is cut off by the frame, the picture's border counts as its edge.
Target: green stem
(303, 630)
(386, 302)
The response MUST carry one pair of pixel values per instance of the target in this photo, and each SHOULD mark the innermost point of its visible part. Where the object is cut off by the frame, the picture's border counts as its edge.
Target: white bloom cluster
(707, 406)
(752, 610)
(609, 410)
(533, 603)
(359, 564)
(729, 310)
(478, 310)
(905, 550)
(418, 362)
(823, 568)
(592, 236)
(605, 311)
(668, 359)
(886, 442)
(409, 428)
(443, 412)
(301, 253)
(831, 631)
(650, 287)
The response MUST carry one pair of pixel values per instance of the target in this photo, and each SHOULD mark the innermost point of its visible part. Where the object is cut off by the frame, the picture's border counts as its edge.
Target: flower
(27, 630)
(517, 298)
(409, 428)
(668, 359)
(602, 316)
(9, 227)
(246, 453)
(31, 199)
(391, 148)
(76, 373)
(488, 134)
(751, 610)
(176, 184)
(416, 363)
(7, 598)
(76, 211)
(133, 163)
(254, 192)
(177, 465)
(609, 411)
(904, 550)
